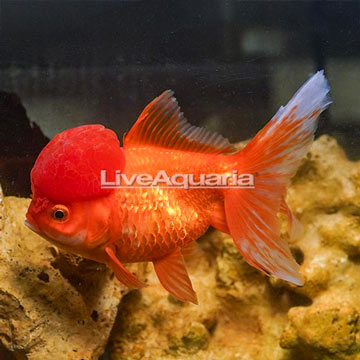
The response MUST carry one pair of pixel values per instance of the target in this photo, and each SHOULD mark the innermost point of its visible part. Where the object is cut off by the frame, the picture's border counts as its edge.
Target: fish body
(156, 221)
(161, 223)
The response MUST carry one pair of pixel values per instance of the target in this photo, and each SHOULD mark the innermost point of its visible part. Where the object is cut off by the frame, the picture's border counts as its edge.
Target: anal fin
(191, 251)
(218, 218)
(173, 276)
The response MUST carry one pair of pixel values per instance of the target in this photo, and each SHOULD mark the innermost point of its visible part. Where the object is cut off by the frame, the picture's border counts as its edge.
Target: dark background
(144, 32)
(231, 64)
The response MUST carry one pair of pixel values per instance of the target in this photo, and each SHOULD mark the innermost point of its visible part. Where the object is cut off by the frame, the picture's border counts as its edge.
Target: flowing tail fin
(273, 157)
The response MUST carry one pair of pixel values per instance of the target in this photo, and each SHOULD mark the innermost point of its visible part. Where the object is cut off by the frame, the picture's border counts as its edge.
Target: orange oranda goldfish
(72, 209)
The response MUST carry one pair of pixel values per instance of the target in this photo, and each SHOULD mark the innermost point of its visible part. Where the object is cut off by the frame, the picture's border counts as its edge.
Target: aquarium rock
(52, 305)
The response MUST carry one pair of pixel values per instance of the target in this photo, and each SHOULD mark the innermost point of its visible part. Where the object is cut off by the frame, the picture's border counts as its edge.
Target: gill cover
(69, 166)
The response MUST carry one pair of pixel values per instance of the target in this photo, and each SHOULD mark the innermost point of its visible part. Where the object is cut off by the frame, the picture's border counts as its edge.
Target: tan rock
(52, 305)
(323, 331)
(326, 196)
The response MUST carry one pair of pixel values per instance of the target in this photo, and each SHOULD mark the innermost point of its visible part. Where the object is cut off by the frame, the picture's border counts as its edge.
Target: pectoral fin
(173, 276)
(120, 271)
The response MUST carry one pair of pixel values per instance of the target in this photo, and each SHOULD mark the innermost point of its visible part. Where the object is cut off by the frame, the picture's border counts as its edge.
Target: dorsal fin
(162, 124)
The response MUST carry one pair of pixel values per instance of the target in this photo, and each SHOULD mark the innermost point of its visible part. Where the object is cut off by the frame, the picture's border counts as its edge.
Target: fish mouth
(36, 230)
(29, 222)
(32, 224)
(32, 227)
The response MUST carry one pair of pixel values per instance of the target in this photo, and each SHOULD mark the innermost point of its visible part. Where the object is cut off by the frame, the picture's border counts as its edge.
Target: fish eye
(59, 212)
